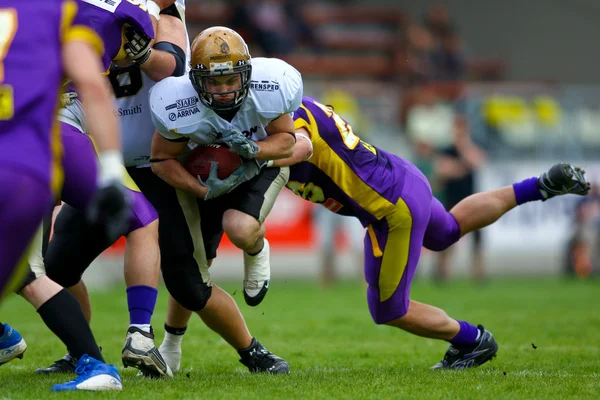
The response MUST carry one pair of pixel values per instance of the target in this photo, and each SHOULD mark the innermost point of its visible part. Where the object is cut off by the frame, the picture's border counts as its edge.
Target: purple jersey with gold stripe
(32, 34)
(109, 17)
(345, 174)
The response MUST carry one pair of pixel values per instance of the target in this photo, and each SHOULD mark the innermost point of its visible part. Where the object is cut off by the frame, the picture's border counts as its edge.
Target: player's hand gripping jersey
(132, 90)
(275, 89)
(345, 174)
(109, 19)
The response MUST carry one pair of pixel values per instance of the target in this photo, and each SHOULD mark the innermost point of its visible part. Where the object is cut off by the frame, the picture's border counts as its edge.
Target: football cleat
(563, 179)
(12, 345)
(460, 357)
(93, 375)
(141, 353)
(65, 365)
(257, 272)
(258, 359)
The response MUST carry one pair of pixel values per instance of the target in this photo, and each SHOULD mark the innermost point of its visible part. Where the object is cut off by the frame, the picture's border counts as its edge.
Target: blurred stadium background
(523, 75)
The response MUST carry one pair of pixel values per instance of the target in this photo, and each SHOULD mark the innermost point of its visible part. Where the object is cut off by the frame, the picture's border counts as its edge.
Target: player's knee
(61, 274)
(384, 313)
(242, 229)
(193, 297)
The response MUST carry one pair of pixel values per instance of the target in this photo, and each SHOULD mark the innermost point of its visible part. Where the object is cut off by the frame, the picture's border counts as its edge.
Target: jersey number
(348, 136)
(8, 29)
(126, 81)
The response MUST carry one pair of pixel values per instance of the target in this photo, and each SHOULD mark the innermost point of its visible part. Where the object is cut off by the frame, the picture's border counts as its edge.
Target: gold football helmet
(220, 51)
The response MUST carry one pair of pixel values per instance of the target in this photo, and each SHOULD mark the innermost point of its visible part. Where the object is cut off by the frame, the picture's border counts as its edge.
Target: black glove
(137, 45)
(110, 207)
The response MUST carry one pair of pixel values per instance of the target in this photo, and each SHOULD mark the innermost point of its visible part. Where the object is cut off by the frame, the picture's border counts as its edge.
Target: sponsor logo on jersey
(264, 86)
(124, 112)
(183, 113)
(185, 108)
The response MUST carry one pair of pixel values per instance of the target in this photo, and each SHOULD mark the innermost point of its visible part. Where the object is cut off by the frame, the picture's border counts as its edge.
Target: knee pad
(186, 285)
(61, 274)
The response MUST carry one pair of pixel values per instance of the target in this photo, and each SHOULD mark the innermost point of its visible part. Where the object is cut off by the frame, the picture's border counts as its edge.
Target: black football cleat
(258, 359)
(563, 179)
(65, 365)
(461, 357)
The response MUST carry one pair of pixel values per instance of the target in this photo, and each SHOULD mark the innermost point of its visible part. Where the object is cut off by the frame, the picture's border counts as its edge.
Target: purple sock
(466, 335)
(527, 190)
(141, 301)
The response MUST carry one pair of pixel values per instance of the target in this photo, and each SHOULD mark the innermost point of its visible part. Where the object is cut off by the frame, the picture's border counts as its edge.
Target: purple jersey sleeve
(135, 13)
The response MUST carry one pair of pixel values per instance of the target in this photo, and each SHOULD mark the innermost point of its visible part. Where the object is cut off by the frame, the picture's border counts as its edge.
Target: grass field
(335, 351)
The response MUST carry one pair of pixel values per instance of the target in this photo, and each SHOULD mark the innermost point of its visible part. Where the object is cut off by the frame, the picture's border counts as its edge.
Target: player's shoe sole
(15, 351)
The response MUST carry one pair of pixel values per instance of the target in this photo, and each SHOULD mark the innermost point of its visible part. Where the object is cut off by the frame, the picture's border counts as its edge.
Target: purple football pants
(393, 245)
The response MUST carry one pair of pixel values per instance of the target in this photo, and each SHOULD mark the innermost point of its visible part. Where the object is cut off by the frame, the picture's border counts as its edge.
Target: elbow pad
(177, 52)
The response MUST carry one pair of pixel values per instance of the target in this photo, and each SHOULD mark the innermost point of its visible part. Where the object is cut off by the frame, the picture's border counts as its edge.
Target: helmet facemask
(200, 74)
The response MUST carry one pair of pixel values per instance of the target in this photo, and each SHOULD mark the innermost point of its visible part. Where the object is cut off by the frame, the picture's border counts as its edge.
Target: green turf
(335, 351)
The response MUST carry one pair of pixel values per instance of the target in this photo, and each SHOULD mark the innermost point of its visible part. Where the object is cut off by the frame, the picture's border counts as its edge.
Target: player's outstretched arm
(302, 150)
(83, 66)
(163, 158)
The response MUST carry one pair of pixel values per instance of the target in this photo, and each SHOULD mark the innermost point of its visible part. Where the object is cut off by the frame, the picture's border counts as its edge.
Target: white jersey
(132, 89)
(275, 89)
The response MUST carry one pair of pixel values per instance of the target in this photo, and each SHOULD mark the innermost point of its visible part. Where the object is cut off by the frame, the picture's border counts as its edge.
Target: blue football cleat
(12, 345)
(93, 375)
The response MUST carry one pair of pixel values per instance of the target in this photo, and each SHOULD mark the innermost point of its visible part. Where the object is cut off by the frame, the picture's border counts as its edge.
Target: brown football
(198, 161)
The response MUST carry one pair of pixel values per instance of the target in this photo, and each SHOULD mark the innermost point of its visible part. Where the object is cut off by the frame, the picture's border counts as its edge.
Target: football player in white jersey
(66, 267)
(246, 104)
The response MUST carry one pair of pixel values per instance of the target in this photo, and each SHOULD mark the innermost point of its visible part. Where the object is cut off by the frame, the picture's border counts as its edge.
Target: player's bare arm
(168, 55)
(280, 140)
(163, 158)
(163, 56)
(302, 150)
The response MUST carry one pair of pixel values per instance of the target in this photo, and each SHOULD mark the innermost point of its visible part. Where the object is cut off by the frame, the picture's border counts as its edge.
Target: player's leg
(60, 312)
(185, 271)
(482, 209)
(142, 270)
(175, 327)
(141, 258)
(24, 201)
(248, 207)
(392, 250)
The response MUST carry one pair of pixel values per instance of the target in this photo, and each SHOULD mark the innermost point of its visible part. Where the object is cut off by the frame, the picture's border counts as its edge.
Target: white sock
(257, 267)
(144, 327)
(172, 341)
